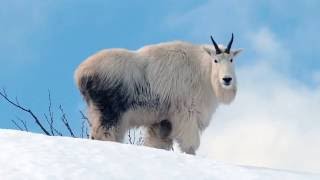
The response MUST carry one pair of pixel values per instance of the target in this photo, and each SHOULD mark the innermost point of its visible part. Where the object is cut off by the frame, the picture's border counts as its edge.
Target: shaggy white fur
(178, 82)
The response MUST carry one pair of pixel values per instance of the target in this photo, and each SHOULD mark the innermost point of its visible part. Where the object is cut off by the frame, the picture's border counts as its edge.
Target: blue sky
(42, 42)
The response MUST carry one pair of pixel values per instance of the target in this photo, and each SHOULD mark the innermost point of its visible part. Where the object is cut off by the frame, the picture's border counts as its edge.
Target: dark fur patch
(112, 102)
(112, 98)
(161, 129)
(165, 128)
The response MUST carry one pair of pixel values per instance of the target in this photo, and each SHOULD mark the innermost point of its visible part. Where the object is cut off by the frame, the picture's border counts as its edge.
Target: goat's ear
(208, 50)
(237, 52)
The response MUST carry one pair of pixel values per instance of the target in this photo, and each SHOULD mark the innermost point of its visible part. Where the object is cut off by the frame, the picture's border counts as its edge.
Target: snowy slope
(34, 156)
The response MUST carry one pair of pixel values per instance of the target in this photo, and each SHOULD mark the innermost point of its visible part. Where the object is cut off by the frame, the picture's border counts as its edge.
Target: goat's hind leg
(103, 134)
(102, 131)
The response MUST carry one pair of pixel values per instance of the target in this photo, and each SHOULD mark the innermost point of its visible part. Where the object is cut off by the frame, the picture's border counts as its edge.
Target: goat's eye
(231, 60)
(216, 61)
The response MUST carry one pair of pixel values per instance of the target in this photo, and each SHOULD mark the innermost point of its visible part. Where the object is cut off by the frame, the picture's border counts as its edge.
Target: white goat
(171, 88)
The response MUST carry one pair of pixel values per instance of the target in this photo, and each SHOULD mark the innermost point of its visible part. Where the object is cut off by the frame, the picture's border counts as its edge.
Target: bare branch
(50, 124)
(84, 129)
(87, 134)
(83, 116)
(133, 138)
(51, 119)
(130, 137)
(49, 108)
(4, 92)
(17, 101)
(85, 119)
(53, 130)
(140, 141)
(65, 121)
(17, 125)
(57, 132)
(5, 96)
(24, 123)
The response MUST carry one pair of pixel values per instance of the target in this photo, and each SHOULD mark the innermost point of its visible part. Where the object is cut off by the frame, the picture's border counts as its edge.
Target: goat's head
(223, 78)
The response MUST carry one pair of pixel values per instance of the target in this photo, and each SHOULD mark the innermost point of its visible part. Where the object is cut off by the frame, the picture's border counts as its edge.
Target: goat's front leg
(187, 134)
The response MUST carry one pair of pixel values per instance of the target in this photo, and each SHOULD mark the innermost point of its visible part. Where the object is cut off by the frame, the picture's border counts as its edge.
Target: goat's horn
(218, 51)
(229, 45)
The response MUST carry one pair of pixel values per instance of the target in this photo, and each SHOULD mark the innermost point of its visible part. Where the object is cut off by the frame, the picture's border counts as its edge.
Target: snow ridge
(35, 156)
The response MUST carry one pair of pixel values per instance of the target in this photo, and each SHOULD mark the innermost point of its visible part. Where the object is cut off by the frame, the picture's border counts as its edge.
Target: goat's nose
(227, 80)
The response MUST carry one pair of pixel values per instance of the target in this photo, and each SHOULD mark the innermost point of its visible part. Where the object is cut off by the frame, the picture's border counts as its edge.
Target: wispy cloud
(294, 23)
(316, 77)
(212, 18)
(274, 120)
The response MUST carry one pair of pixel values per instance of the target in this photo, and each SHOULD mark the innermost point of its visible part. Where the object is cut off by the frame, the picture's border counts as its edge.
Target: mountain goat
(171, 88)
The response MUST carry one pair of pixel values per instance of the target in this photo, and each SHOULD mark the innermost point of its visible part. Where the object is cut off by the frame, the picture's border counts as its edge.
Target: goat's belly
(142, 117)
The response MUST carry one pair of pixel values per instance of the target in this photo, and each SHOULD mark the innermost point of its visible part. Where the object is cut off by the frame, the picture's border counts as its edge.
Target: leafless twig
(24, 123)
(65, 121)
(82, 129)
(29, 111)
(140, 140)
(84, 117)
(53, 130)
(84, 125)
(17, 101)
(17, 125)
(50, 118)
(132, 137)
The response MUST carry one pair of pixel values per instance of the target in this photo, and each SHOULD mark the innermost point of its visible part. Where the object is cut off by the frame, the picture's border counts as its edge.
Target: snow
(34, 156)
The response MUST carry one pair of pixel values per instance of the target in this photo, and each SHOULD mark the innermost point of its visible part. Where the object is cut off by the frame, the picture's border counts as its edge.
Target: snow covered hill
(34, 156)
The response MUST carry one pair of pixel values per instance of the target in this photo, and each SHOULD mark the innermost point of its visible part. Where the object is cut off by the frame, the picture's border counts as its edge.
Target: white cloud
(269, 50)
(274, 121)
(264, 42)
(316, 77)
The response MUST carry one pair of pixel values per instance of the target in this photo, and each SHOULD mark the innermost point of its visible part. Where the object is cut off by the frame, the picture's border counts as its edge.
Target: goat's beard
(224, 95)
